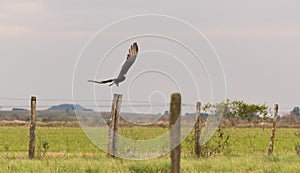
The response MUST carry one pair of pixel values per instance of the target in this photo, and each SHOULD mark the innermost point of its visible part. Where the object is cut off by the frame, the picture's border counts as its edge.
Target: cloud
(20, 7)
(69, 34)
(254, 32)
(13, 30)
(3, 16)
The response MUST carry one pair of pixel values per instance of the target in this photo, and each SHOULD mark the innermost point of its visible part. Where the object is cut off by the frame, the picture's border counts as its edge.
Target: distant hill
(19, 109)
(70, 107)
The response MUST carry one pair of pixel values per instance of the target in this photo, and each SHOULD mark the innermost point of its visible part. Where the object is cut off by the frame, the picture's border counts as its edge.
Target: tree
(239, 109)
(296, 111)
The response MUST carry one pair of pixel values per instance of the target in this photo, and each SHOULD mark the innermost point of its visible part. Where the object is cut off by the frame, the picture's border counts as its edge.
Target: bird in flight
(131, 56)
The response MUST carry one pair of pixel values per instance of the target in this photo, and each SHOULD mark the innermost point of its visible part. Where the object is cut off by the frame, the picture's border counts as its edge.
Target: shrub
(216, 145)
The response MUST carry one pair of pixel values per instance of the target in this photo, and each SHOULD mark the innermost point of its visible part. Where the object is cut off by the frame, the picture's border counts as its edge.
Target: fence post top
(176, 95)
(33, 98)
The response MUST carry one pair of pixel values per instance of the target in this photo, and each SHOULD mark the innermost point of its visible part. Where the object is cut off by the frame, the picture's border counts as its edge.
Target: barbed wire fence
(17, 113)
(105, 103)
(62, 141)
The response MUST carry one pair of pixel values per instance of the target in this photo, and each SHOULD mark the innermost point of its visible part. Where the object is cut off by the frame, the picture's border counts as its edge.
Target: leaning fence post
(272, 140)
(32, 128)
(175, 139)
(197, 130)
(113, 126)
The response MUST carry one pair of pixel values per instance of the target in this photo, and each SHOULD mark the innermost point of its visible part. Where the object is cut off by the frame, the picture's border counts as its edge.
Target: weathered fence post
(197, 130)
(31, 148)
(113, 126)
(272, 140)
(175, 139)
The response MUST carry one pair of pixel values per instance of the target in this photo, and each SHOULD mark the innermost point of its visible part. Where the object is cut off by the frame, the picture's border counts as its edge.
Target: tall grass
(71, 151)
(69, 139)
(288, 163)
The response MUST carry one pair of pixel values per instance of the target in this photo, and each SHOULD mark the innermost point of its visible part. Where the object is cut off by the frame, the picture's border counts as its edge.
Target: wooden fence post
(272, 140)
(175, 139)
(113, 126)
(31, 148)
(197, 130)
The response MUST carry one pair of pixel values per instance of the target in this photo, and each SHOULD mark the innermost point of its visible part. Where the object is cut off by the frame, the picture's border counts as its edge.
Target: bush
(297, 148)
(216, 145)
(42, 147)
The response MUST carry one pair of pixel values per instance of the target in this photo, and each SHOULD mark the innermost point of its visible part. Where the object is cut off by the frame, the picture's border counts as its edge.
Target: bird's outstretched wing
(102, 82)
(131, 56)
(133, 51)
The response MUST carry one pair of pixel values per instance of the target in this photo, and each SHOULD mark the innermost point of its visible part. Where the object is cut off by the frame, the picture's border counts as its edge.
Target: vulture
(131, 56)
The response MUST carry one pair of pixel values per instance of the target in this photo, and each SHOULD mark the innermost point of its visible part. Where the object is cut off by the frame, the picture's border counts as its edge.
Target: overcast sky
(258, 43)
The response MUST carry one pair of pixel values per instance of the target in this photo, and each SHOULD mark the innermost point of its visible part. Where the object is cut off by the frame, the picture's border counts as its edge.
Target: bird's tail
(103, 82)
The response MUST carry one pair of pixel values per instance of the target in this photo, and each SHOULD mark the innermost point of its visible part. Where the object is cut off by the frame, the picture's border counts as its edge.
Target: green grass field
(71, 151)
